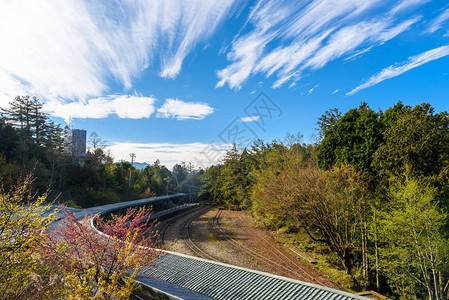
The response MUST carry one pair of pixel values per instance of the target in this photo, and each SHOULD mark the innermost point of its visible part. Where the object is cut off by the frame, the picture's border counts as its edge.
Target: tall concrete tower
(75, 142)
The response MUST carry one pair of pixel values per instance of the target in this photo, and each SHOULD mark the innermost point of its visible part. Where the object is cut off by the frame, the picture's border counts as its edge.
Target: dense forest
(374, 189)
(30, 141)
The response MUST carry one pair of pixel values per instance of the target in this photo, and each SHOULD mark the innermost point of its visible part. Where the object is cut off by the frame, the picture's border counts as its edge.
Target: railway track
(186, 233)
(188, 238)
(164, 225)
(276, 258)
(288, 265)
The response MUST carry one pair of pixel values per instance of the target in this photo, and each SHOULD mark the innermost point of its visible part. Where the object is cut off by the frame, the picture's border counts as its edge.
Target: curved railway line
(188, 238)
(271, 256)
(187, 219)
(291, 267)
(164, 225)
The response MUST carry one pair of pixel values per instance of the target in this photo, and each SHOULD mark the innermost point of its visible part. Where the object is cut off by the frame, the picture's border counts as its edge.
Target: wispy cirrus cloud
(396, 70)
(72, 49)
(47, 52)
(437, 23)
(349, 38)
(311, 90)
(407, 4)
(309, 36)
(194, 21)
(175, 108)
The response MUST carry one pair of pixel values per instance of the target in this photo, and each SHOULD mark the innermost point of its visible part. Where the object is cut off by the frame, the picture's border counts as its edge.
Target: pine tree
(25, 113)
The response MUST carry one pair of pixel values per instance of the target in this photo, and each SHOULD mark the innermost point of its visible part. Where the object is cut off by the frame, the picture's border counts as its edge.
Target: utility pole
(133, 155)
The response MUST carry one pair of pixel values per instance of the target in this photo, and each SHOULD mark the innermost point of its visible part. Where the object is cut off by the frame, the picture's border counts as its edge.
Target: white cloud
(245, 53)
(199, 154)
(289, 58)
(311, 35)
(312, 89)
(351, 37)
(193, 21)
(324, 14)
(124, 106)
(249, 119)
(406, 4)
(175, 108)
(336, 91)
(396, 70)
(358, 53)
(9, 88)
(437, 23)
(72, 49)
(44, 47)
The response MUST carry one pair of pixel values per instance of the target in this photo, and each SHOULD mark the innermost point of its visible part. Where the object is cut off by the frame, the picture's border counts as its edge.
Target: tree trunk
(376, 252)
(52, 168)
(364, 246)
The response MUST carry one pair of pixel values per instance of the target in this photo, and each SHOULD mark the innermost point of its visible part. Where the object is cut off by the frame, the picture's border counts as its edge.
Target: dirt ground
(235, 239)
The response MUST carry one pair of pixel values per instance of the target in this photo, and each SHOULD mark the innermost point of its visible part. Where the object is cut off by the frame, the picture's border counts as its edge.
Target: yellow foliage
(22, 218)
(72, 262)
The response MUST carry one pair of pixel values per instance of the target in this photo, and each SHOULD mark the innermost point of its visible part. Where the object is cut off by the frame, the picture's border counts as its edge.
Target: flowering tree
(74, 261)
(102, 265)
(23, 272)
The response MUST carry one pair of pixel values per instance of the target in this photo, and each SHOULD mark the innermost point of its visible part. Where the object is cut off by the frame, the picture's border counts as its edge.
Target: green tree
(329, 205)
(416, 143)
(210, 188)
(180, 173)
(272, 161)
(413, 251)
(233, 178)
(96, 156)
(327, 120)
(26, 113)
(160, 179)
(353, 139)
(55, 155)
(9, 140)
(32, 139)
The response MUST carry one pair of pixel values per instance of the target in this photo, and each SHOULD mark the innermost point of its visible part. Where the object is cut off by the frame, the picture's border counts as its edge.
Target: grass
(69, 203)
(324, 258)
(211, 237)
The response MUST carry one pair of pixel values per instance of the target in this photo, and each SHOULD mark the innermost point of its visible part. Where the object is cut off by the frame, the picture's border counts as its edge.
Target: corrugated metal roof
(221, 281)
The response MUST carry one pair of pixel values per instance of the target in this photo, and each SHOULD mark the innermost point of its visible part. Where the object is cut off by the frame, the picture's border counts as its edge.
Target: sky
(181, 81)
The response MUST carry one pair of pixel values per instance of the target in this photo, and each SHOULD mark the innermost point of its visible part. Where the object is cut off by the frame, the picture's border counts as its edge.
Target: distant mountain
(140, 166)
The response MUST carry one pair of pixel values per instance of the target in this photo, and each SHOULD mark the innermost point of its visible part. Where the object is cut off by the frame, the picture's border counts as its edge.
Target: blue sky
(173, 80)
